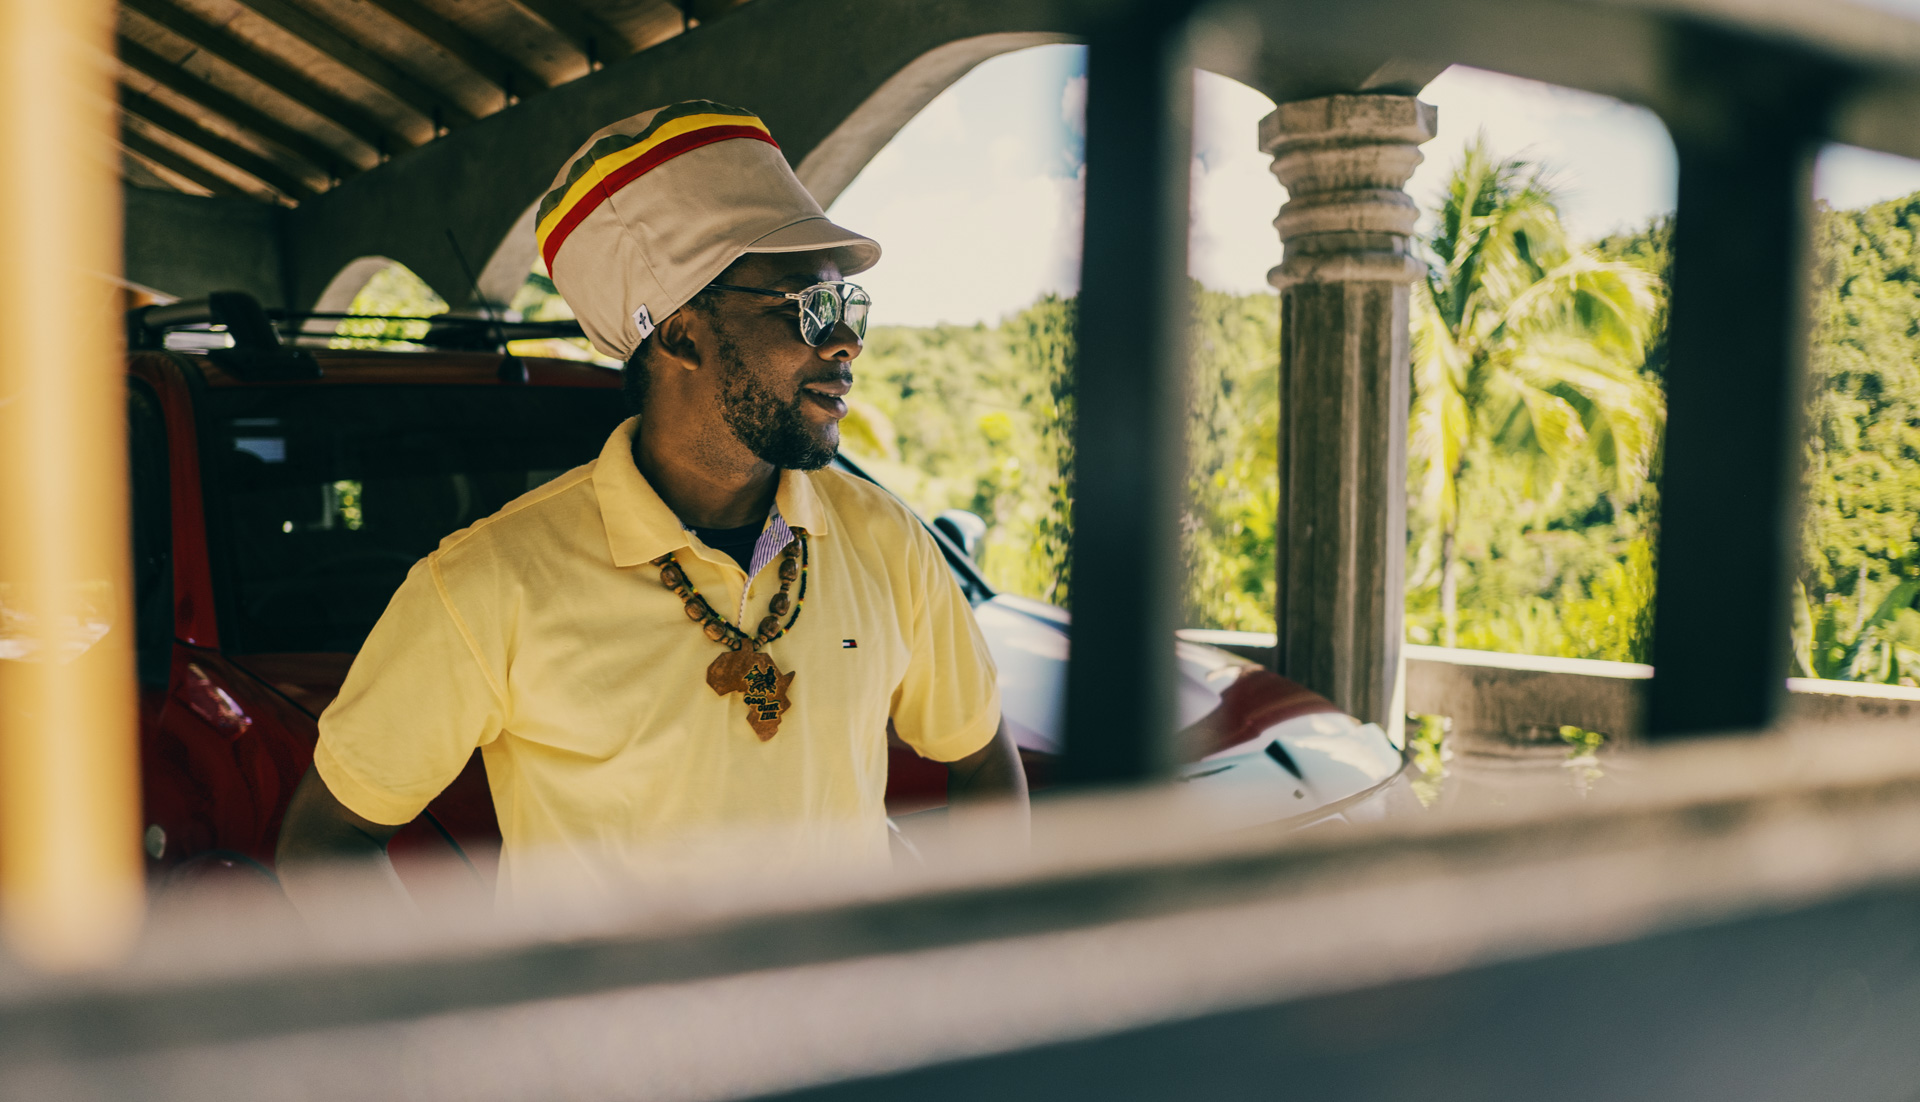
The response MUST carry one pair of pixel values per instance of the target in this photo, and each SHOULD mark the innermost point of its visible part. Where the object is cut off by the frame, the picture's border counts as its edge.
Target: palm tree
(1523, 342)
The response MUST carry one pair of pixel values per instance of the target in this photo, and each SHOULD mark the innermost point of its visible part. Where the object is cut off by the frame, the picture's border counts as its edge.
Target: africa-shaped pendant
(743, 667)
(753, 673)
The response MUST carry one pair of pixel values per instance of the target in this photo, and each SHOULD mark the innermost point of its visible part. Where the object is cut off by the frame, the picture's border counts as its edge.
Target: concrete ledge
(1521, 699)
(1819, 703)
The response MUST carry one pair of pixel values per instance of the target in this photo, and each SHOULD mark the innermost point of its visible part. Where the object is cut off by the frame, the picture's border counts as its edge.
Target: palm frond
(1525, 341)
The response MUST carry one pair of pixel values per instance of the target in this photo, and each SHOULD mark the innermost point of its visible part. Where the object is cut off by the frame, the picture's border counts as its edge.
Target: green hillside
(1862, 528)
(978, 418)
(1554, 556)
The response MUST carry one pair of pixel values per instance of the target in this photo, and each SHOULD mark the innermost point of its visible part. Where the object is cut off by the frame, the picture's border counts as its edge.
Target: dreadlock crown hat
(654, 207)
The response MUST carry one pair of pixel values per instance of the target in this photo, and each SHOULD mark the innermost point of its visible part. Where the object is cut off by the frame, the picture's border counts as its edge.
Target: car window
(152, 533)
(321, 498)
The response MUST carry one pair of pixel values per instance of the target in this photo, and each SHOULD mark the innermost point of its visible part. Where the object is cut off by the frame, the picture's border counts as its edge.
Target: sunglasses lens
(857, 305)
(819, 313)
(825, 306)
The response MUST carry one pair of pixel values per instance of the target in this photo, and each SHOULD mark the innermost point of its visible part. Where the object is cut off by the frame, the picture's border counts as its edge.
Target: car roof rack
(447, 332)
(257, 353)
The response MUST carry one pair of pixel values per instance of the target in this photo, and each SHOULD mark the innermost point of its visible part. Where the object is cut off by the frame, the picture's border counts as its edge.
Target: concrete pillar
(1348, 229)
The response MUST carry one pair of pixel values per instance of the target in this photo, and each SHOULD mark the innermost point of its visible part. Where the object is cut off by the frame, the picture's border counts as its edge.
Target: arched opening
(965, 396)
(346, 284)
(376, 287)
(506, 272)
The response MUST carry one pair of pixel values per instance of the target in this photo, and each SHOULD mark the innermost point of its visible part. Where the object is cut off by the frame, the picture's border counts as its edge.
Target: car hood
(1267, 747)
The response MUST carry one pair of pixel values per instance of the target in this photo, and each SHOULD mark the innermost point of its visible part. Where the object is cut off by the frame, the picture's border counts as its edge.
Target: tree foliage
(1861, 532)
(981, 418)
(393, 292)
(1855, 615)
(1526, 350)
(978, 418)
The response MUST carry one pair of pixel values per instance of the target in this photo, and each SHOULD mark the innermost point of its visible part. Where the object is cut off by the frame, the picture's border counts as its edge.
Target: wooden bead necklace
(744, 667)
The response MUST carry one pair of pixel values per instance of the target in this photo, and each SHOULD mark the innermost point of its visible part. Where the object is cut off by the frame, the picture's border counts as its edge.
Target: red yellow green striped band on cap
(618, 160)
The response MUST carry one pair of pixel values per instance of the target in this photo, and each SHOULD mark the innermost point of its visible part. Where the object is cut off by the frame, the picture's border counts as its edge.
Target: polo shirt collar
(640, 527)
(799, 502)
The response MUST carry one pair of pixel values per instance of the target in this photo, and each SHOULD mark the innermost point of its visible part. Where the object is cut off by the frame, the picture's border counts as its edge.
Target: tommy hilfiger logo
(848, 644)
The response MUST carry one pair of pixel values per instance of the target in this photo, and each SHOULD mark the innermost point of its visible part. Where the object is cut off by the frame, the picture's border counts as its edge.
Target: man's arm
(320, 831)
(990, 773)
(987, 797)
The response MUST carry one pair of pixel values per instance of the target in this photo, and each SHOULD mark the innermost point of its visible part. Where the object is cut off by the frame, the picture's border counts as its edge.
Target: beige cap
(656, 206)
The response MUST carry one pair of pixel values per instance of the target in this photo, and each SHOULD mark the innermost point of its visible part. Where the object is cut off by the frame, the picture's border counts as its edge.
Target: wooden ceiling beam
(147, 149)
(437, 107)
(137, 172)
(274, 73)
(157, 114)
(175, 79)
(595, 38)
(504, 72)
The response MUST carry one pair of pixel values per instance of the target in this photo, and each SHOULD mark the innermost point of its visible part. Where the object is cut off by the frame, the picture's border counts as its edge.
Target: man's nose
(842, 344)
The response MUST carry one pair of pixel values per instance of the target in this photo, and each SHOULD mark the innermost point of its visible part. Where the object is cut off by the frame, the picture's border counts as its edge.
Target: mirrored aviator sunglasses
(822, 307)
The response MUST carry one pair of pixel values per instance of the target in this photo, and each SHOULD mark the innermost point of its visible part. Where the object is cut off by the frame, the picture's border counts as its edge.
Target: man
(701, 634)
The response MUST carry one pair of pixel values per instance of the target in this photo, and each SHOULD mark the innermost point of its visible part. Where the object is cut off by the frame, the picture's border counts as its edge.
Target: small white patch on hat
(643, 321)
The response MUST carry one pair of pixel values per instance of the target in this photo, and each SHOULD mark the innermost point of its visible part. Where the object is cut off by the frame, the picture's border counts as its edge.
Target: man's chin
(820, 457)
(810, 453)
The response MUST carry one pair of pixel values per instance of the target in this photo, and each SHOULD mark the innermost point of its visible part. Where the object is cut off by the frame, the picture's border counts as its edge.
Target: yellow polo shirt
(542, 635)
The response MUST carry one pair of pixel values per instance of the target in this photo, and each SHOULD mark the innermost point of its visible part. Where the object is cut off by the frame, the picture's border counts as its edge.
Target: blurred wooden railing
(1730, 918)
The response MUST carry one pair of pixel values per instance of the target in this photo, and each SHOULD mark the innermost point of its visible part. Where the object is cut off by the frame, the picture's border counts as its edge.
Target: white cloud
(976, 202)
(1231, 242)
(1073, 104)
(1848, 176)
(1613, 162)
(941, 121)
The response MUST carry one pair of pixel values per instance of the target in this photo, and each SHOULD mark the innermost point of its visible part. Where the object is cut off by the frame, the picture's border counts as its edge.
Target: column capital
(1344, 161)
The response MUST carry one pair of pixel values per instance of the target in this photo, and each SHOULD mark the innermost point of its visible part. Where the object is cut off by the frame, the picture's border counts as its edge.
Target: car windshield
(321, 498)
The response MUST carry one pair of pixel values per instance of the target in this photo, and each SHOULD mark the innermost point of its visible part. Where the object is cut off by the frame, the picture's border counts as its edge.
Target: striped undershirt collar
(774, 538)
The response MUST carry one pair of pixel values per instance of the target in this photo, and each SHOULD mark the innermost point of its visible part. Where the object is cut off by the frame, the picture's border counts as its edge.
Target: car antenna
(512, 369)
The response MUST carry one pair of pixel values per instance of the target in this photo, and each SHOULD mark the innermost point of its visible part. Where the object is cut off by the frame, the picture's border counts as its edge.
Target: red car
(281, 493)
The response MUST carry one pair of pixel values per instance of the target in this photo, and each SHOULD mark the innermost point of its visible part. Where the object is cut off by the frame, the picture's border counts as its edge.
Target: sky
(976, 202)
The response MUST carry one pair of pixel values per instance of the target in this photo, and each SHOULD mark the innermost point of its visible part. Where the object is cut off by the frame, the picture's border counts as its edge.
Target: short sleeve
(415, 705)
(948, 702)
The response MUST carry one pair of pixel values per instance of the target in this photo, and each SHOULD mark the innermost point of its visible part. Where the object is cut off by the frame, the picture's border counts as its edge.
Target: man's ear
(674, 339)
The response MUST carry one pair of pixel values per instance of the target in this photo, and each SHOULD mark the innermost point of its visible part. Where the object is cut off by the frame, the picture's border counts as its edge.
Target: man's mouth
(829, 395)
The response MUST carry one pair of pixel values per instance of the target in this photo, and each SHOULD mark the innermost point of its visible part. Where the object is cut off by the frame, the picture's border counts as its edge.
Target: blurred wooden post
(1348, 231)
(1747, 118)
(70, 869)
(1130, 396)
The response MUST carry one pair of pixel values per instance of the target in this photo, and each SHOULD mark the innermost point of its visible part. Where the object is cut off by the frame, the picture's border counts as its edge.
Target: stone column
(1347, 228)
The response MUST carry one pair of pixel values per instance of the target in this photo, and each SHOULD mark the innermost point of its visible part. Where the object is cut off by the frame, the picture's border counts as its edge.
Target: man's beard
(776, 431)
